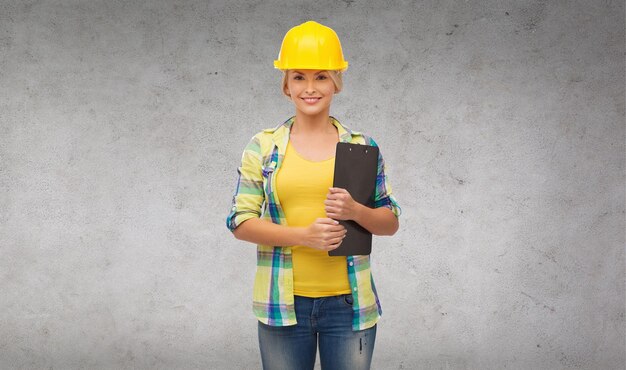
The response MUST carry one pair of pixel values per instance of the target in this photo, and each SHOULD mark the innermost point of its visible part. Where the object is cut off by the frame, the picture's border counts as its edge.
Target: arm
(323, 234)
(245, 222)
(378, 221)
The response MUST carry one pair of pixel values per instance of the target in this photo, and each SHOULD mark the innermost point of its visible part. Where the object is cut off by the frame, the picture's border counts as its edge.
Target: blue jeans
(328, 319)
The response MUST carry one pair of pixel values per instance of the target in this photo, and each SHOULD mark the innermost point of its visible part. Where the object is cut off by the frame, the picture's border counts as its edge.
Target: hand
(339, 205)
(324, 234)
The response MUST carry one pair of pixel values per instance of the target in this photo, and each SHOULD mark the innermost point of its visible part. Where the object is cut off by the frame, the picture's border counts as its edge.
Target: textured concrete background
(122, 123)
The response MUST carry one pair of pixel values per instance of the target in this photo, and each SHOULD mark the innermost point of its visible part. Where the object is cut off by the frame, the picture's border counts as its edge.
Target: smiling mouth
(311, 100)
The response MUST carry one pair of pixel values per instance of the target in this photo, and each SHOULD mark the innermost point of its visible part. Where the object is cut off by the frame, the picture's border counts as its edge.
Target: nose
(310, 89)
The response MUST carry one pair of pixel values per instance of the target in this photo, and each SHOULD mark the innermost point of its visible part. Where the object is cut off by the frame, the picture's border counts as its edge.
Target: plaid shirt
(255, 196)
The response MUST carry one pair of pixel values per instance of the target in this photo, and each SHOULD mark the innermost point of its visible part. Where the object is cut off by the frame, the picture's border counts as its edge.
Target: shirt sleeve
(249, 196)
(384, 196)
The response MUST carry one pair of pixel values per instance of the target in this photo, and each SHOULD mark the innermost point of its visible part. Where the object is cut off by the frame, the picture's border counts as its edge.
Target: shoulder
(259, 143)
(359, 137)
(280, 128)
(347, 134)
(368, 140)
(264, 141)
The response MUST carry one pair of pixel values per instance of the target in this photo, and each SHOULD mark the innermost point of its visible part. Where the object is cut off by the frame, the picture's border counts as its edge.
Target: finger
(337, 190)
(331, 209)
(329, 233)
(335, 204)
(331, 196)
(333, 215)
(338, 239)
(338, 216)
(336, 226)
(338, 231)
(338, 195)
(334, 246)
(326, 221)
(333, 212)
(331, 242)
(332, 237)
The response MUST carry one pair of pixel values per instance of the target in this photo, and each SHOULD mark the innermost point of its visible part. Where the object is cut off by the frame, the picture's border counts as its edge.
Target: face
(310, 90)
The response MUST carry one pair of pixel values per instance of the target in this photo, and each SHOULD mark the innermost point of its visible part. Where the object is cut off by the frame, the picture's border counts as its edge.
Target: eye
(321, 77)
(298, 77)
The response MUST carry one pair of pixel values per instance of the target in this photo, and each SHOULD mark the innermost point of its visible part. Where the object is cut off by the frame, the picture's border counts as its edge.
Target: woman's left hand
(339, 205)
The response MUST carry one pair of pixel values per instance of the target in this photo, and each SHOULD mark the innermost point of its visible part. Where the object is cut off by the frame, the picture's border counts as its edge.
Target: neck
(308, 124)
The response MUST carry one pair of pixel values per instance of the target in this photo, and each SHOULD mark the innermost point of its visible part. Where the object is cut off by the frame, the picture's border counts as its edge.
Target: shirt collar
(280, 134)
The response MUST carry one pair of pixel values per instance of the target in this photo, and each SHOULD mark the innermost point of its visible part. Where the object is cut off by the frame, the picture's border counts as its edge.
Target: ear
(286, 91)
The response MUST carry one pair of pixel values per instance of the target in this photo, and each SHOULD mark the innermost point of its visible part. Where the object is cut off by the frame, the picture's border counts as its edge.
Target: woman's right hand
(324, 234)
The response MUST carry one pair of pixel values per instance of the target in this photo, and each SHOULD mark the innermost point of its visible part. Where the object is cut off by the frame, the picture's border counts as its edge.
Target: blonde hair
(336, 76)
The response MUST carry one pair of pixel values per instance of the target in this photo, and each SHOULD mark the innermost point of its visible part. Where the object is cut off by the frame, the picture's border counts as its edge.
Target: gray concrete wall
(122, 123)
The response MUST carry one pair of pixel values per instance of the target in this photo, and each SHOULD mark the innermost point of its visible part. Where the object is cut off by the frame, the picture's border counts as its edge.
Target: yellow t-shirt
(302, 186)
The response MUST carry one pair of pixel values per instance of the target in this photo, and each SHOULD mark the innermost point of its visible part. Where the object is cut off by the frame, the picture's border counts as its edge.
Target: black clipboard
(356, 167)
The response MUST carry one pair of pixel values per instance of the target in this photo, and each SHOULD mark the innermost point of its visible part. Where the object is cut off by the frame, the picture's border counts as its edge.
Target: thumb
(328, 221)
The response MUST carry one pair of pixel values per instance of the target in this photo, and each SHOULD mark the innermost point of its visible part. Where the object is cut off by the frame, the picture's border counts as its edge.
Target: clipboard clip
(366, 150)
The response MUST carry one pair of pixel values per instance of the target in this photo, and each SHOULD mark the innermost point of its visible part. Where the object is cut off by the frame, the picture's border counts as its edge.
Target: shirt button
(351, 263)
(354, 289)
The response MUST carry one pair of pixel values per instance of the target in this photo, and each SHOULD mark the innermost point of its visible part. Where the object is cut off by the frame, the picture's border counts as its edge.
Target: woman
(285, 203)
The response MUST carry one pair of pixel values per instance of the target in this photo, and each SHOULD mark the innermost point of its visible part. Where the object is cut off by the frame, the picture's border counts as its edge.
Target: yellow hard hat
(311, 46)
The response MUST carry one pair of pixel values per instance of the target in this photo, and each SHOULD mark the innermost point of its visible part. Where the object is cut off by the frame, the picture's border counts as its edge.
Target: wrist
(300, 236)
(358, 212)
